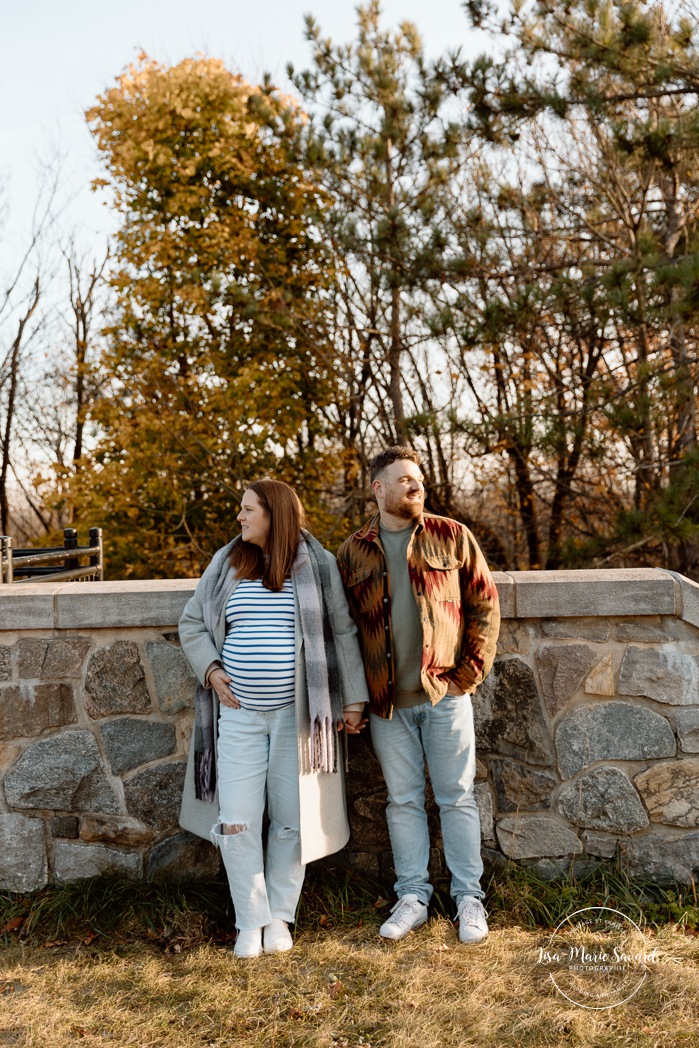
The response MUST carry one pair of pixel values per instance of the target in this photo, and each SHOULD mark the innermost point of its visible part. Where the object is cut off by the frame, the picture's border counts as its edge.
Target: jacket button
(385, 600)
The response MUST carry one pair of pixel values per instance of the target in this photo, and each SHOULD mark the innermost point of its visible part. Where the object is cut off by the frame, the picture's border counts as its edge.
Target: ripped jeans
(257, 756)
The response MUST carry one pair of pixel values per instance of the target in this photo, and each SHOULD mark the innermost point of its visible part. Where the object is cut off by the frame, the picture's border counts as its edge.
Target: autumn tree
(218, 352)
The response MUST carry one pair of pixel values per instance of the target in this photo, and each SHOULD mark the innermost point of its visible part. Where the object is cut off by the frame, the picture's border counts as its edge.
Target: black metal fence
(55, 564)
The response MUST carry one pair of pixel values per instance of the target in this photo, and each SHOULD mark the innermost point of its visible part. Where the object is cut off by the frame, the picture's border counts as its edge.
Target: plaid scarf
(311, 578)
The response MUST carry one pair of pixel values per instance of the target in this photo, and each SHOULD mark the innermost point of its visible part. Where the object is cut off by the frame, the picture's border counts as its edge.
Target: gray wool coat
(323, 824)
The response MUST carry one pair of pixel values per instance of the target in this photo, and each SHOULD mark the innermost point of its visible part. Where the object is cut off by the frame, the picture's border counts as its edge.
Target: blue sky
(57, 55)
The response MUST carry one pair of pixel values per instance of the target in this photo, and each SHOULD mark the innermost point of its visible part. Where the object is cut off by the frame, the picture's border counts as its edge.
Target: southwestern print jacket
(456, 599)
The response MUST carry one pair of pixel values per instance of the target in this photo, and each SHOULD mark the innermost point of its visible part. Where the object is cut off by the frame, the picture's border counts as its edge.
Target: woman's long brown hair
(286, 518)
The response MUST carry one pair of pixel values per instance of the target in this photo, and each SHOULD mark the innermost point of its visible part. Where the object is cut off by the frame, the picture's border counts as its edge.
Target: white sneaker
(473, 926)
(408, 913)
(248, 943)
(276, 936)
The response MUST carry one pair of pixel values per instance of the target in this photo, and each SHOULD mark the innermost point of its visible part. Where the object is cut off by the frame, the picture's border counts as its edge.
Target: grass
(514, 894)
(115, 963)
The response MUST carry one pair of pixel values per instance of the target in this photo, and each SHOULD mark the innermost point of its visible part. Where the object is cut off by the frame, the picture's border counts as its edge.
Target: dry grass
(340, 988)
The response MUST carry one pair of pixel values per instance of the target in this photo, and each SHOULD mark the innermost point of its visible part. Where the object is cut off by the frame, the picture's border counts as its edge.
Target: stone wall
(589, 724)
(588, 731)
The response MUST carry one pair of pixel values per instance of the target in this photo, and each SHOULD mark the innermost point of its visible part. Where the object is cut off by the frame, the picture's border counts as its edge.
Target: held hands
(220, 682)
(354, 721)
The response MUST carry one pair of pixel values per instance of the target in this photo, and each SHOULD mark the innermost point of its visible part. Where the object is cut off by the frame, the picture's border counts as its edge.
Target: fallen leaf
(12, 926)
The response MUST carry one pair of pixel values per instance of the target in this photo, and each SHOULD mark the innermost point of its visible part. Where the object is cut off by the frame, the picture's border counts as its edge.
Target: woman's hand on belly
(220, 682)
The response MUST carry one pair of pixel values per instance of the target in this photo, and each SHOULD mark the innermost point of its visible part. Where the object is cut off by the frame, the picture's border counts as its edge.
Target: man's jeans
(257, 755)
(442, 734)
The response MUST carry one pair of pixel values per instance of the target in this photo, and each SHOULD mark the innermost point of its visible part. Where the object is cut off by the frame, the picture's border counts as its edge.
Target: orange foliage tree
(217, 353)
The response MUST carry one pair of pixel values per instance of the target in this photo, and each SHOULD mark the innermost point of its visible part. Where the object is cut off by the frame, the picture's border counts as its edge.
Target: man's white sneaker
(473, 926)
(408, 913)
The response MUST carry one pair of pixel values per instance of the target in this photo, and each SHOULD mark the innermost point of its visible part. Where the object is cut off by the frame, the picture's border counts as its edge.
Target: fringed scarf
(312, 582)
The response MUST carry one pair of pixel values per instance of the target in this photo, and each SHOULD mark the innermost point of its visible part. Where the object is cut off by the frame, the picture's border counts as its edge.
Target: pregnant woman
(269, 636)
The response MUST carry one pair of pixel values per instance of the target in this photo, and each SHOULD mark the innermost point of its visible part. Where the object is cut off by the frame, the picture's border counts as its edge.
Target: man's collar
(370, 531)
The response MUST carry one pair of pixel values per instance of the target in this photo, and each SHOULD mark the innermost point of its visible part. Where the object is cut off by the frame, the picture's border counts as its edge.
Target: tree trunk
(13, 380)
(395, 345)
(527, 505)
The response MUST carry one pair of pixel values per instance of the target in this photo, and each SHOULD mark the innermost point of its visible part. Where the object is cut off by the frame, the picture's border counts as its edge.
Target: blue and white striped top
(259, 651)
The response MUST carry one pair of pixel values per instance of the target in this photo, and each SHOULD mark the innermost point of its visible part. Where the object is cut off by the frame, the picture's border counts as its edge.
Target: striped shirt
(259, 651)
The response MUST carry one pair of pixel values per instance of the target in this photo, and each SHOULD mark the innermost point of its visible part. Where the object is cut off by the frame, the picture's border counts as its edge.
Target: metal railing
(57, 564)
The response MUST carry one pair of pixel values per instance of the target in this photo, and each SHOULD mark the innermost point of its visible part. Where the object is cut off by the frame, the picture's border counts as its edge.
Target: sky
(56, 56)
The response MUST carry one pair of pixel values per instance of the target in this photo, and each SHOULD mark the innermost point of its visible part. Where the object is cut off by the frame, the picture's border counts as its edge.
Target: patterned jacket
(456, 599)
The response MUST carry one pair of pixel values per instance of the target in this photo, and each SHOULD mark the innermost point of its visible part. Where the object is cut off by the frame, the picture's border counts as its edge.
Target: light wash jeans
(257, 755)
(442, 734)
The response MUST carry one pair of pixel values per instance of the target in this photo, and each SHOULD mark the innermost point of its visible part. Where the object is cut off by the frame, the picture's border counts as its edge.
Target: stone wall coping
(620, 592)
(689, 598)
(94, 605)
(600, 592)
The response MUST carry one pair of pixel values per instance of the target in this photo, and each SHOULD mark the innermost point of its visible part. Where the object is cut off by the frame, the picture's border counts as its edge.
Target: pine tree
(385, 146)
(625, 78)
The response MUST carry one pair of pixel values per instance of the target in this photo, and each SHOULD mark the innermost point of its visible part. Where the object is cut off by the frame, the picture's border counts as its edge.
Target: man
(426, 608)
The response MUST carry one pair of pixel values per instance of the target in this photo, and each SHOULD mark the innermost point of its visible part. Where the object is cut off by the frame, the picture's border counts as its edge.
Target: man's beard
(403, 507)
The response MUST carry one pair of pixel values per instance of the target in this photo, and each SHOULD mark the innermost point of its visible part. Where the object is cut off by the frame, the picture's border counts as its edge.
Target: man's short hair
(399, 451)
